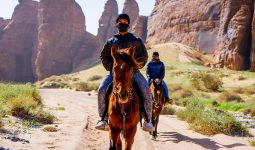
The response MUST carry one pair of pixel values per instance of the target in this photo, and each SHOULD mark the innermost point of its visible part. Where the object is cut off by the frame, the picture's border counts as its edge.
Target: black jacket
(126, 41)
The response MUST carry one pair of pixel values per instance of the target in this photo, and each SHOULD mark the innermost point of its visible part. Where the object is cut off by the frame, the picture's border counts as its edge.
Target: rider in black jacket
(124, 39)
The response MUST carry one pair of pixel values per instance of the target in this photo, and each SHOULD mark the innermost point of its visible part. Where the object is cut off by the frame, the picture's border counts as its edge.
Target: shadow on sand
(204, 142)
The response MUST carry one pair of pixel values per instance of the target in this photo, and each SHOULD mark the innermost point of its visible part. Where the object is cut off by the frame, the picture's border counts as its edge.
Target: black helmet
(155, 53)
(123, 16)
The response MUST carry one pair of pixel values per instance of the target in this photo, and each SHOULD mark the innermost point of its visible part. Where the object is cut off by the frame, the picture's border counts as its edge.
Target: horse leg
(114, 135)
(119, 143)
(155, 125)
(153, 121)
(130, 138)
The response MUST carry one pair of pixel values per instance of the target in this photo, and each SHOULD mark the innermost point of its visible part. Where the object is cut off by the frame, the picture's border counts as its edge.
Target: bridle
(124, 115)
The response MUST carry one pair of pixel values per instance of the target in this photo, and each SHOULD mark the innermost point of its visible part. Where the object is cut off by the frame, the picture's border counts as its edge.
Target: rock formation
(107, 21)
(60, 29)
(252, 57)
(195, 24)
(16, 43)
(234, 44)
(140, 27)
(3, 23)
(132, 9)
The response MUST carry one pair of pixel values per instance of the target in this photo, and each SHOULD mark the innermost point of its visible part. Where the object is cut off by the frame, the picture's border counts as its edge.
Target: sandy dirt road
(76, 130)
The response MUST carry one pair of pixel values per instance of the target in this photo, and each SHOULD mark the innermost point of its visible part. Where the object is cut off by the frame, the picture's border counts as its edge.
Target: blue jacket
(155, 70)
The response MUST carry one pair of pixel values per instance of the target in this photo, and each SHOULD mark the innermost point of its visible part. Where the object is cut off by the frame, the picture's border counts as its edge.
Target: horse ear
(114, 52)
(132, 51)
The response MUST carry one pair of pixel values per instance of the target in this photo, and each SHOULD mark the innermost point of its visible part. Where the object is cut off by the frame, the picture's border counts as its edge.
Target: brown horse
(157, 90)
(123, 101)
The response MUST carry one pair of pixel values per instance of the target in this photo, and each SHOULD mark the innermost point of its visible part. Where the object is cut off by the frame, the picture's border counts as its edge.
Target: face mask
(122, 27)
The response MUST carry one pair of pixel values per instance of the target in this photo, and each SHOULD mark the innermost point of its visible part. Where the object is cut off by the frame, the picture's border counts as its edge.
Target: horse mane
(126, 58)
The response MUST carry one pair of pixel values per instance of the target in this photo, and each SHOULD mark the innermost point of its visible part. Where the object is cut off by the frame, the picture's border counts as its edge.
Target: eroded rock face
(3, 23)
(87, 54)
(140, 27)
(252, 57)
(107, 21)
(234, 44)
(195, 24)
(16, 43)
(132, 9)
(61, 27)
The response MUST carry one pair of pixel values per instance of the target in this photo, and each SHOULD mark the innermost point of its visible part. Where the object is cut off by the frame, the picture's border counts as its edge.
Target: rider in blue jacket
(156, 70)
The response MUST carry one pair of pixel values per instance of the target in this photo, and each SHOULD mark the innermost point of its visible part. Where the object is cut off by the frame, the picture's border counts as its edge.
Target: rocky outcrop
(107, 21)
(139, 28)
(3, 23)
(87, 54)
(234, 44)
(252, 57)
(61, 27)
(132, 9)
(195, 24)
(45, 38)
(16, 43)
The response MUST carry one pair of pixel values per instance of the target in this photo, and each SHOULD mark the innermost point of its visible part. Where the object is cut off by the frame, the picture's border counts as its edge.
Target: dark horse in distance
(157, 91)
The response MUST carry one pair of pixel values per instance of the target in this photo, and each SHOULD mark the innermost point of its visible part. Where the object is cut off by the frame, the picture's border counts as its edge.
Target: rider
(124, 39)
(156, 70)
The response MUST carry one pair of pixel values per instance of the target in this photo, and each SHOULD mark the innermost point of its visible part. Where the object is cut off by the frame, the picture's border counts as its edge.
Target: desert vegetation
(24, 102)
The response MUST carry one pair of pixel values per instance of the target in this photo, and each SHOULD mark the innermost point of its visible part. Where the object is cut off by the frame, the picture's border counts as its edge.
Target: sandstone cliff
(234, 44)
(107, 21)
(16, 43)
(194, 23)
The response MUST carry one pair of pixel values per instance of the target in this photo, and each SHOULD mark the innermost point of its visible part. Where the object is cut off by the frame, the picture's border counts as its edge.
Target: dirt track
(76, 130)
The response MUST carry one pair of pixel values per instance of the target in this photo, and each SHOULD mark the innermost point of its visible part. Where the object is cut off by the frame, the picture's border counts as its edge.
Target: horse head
(123, 66)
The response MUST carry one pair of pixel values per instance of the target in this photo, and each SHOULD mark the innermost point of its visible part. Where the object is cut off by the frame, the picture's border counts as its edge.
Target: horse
(123, 108)
(157, 91)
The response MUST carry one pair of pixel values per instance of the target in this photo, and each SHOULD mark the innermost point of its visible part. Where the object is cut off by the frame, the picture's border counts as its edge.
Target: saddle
(140, 97)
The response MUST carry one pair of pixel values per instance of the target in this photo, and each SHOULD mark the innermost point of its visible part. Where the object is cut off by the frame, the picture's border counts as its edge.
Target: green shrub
(83, 86)
(181, 101)
(229, 97)
(95, 77)
(210, 122)
(1, 122)
(210, 81)
(23, 101)
(232, 106)
(53, 84)
(168, 110)
(252, 142)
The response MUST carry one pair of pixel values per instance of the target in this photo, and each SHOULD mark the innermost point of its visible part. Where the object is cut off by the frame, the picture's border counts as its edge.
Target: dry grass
(23, 101)
(83, 86)
(95, 78)
(50, 129)
(168, 110)
(206, 80)
(252, 142)
(229, 97)
(175, 87)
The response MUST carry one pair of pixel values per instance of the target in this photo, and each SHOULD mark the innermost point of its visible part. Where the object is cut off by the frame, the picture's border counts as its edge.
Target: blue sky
(91, 8)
